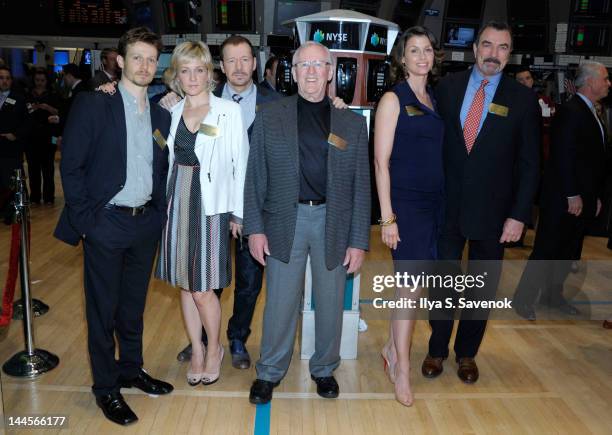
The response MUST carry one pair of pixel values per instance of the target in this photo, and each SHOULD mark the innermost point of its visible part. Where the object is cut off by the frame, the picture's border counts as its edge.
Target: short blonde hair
(184, 52)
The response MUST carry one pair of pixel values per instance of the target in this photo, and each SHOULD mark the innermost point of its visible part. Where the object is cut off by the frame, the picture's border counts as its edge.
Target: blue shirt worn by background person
(248, 103)
(473, 85)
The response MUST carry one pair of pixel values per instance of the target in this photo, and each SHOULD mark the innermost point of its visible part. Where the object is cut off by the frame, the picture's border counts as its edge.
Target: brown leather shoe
(468, 370)
(432, 367)
(607, 324)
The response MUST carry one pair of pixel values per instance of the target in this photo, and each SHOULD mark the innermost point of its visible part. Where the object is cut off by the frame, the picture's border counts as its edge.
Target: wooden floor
(547, 377)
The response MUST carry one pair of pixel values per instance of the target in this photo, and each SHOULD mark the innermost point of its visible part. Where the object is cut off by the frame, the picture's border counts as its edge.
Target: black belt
(312, 202)
(134, 211)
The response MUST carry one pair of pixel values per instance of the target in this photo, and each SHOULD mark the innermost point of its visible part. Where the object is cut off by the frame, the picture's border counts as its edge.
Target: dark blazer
(93, 165)
(273, 182)
(69, 101)
(499, 178)
(99, 78)
(13, 119)
(577, 162)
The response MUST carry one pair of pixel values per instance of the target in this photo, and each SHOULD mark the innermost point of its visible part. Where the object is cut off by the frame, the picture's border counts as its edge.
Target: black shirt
(313, 131)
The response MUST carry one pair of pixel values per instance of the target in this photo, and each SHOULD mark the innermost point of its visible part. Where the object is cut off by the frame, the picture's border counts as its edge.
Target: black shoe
(527, 312)
(185, 354)
(240, 356)
(261, 391)
(147, 384)
(327, 387)
(115, 409)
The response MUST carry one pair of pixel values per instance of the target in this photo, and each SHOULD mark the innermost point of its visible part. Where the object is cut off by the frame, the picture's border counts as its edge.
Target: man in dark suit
(238, 63)
(491, 159)
(74, 86)
(114, 166)
(269, 80)
(574, 182)
(13, 128)
(110, 71)
(307, 193)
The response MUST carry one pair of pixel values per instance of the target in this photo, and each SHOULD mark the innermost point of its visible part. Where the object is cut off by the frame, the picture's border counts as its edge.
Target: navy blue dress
(417, 176)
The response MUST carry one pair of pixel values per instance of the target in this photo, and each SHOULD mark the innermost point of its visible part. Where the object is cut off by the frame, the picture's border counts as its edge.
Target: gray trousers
(285, 288)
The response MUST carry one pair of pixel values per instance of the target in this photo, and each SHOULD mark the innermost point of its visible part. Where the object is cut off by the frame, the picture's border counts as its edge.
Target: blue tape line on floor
(262, 420)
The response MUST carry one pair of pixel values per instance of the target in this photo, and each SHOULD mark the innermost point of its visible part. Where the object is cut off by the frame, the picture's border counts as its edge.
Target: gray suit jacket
(272, 182)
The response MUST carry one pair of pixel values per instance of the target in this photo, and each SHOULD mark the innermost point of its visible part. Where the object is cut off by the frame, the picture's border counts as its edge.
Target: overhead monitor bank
(359, 44)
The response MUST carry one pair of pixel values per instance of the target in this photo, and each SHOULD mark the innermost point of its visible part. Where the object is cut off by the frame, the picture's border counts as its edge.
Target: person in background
(43, 108)
(269, 80)
(574, 181)
(109, 72)
(208, 148)
(410, 183)
(13, 131)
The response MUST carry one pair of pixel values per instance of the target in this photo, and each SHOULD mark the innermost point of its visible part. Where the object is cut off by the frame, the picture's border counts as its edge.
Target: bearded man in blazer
(114, 166)
(574, 182)
(307, 192)
(491, 160)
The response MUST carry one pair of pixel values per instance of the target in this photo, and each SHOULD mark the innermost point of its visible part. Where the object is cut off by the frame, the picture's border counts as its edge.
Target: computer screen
(234, 15)
(459, 35)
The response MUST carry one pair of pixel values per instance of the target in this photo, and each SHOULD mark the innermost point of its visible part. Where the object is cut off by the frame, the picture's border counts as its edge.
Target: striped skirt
(194, 250)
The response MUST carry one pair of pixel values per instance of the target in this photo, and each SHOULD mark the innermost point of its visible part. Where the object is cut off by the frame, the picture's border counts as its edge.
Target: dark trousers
(118, 256)
(249, 276)
(41, 161)
(473, 322)
(558, 241)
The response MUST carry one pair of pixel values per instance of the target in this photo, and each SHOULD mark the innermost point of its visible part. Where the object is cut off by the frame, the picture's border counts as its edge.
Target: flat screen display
(459, 35)
(530, 38)
(234, 15)
(523, 10)
(596, 9)
(288, 10)
(589, 39)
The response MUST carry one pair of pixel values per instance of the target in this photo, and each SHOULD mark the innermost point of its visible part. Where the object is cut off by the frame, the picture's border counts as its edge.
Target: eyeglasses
(316, 64)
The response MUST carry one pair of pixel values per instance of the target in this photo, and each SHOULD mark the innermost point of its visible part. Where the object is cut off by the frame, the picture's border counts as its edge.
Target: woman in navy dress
(409, 178)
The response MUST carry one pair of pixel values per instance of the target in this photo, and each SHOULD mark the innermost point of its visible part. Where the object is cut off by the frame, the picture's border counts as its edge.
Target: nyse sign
(336, 35)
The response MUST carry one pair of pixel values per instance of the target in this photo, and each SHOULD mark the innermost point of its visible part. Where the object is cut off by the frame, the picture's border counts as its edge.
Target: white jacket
(222, 159)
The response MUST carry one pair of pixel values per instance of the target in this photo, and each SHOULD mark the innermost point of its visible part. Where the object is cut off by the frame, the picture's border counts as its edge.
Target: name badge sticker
(498, 109)
(337, 141)
(209, 130)
(10, 101)
(159, 139)
(414, 111)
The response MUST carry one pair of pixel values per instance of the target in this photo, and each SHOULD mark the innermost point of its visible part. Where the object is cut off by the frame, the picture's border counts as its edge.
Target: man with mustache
(114, 166)
(491, 155)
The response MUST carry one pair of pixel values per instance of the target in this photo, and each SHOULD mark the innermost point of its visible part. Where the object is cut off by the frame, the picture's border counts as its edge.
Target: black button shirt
(313, 131)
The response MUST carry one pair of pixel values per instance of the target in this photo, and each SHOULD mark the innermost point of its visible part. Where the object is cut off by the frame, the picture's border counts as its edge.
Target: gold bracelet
(388, 221)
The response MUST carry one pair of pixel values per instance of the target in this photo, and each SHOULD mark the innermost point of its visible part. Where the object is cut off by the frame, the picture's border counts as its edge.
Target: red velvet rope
(11, 277)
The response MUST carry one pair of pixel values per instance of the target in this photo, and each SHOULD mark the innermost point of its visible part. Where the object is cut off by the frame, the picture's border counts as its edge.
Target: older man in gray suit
(307, 192)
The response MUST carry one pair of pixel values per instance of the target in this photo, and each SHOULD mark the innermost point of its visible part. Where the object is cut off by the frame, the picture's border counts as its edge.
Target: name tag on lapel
(337, 141)
(498, 109)
(209, 130)
(414, 111)
(159, 139)
(10, 101)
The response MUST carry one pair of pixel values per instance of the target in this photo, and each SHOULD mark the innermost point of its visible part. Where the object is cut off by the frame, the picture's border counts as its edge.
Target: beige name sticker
(414, 111)
(337, 141)
(498, 109)
(209, 130)
(159, 139)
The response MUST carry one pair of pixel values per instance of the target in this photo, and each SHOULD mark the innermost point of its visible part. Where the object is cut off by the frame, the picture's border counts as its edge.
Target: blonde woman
(208, 150)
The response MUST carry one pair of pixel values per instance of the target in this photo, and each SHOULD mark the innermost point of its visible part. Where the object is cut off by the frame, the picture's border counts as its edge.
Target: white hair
(587, 69)
(307, 44)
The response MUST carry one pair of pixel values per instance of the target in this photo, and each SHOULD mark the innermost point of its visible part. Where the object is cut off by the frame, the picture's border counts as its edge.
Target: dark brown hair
(398, 71)
(235, 40)
(500, 26)
(139, 34)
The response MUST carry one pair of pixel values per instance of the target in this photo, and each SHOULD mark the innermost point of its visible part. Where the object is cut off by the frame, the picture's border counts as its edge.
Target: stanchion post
(32, 362)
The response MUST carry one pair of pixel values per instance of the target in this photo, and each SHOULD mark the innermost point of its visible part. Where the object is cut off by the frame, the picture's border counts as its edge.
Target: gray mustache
(492, 59)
